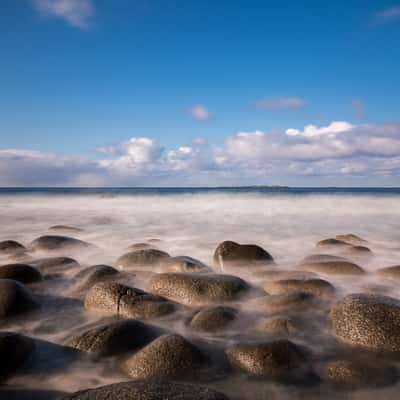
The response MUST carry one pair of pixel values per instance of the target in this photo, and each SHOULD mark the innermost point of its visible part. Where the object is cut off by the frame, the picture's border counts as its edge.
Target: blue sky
(79, 75)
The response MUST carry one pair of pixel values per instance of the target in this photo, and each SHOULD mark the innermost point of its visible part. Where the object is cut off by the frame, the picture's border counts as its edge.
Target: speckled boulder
(151, 390)
(277, 326)
(183, 264)
(392, 272)
(213, 319)
(11, 247)
(169, 356)
(15, 349)
(116, 299)
(54, 264)
(192, 289)
(274, 359)
(141, 258)
(116, 338)
(332, 243)
(57, 243)
(94, 274)
(368, 320)
(317, 287)
(230, 253)
(20, 272)
(334, 268)
(15, 298)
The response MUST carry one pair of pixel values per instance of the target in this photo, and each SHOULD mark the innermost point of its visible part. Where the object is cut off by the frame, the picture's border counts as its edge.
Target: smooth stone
(351, 238)
(54, 264)
(229, 253)
(274, 359)
(116, 338)
(368, 320)
(148, 390)
(392, 272)
(140, 246)
(11, 247)
(183, 264)
(65, 228)
(358, 251)
(279, 275)
(169, 356)
(317, 287)
(94, 274)
(334, 268)
(332, 243)
(192, 289)
(117, 299)
(53, 242)
(276, 326)
(317, 258)
(141, 258)
(15, 298)
(213, 319)
(20, 272)
(15, 349)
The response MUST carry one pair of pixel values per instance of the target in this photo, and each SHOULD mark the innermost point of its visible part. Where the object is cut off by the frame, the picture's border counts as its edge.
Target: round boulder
(317, 258)
(213, 318)
(332, 243)
(334, 268)
(351, 238)
(56, 243)
(317, 287)
(276, 326)
(11, 247)
(194, 289)
(20, 272)
(368, 320)
(65, 228)
(141, 258)
(54, 264)
(169, 356)
(392, 272)
(94, 274)
(183, 264)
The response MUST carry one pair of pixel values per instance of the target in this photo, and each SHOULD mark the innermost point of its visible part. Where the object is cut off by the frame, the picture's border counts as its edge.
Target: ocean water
(288, 222)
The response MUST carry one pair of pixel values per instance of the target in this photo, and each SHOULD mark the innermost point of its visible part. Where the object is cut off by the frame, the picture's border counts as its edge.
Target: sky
(189, 93)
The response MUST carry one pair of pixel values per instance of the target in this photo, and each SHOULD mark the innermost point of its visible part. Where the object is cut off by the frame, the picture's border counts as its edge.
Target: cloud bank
(340, 154)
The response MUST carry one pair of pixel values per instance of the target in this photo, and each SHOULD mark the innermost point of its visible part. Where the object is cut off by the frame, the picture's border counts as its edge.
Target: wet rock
(317, 287)
(11, 247)
(94, 274)
(183, 264)
(169, 356)
(317, 258)
(152, 390)
(332, 243)
(273, 360)
(392, 272)
(140, 246)
(334, 268)
(358, 251)
(141, 258)
(20, 272)
(230, 253)
(194, 289)
(56, 243)
(15, 349)
(277, 326)
(368, 320)
(65, 228)
(115, 338)
(15, 298)
(116, 299)
(54, 264)
(351, 238)
(279, 275)
(354, 374)
(213, 319)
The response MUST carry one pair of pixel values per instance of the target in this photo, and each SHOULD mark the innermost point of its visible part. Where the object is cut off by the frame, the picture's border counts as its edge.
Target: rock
(392, 272)
(358, 251)
(368, 320)
(317, 287)
(354, 374)
(317, 258)
(115, 338)
(116, 299)
(56, 243)
(20, 272)
(15, 349)
(147, 391)
(351, 238)
(183, 264)
(277, 326)
(140, 246)
(15, 298)
(334, 268)
(141, 258)
(192, 289)
(332, 243)
(279, 275)
(213, 318)
(11, 247)
(169, 356)
(65, 228)
(274, 359)
(54, 264)
(230, 253)
(94, 274)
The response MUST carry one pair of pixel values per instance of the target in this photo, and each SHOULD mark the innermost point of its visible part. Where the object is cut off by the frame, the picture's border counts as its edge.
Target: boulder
(334, 268)
(183, 264)
(65, 228)
(169, 356)
(392, 272)
(15, 298)
(57, 243)
(141, 258)
(192, 289)
(332, 243)
(20, 272)
(317, 287)
(54, 264)
(351, 238)
(117, 299)
(150, 390)
(317, 258)
(94, 274)
(140, 246)
(277, 326)
(358, 251)
(279, 275)
(213, 319)
(115, 338)
(368, 320)
(11, 247)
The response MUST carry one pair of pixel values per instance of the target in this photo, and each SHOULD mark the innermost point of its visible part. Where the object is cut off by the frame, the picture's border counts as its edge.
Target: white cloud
(311, 130)
(200, 113)
(389, 14)
(281, 103)
(75, 12)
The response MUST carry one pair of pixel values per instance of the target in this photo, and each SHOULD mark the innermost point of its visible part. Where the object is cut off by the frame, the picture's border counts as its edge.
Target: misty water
(288, 224)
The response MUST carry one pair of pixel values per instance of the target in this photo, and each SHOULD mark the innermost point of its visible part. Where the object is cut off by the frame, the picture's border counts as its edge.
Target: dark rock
(56, 243)
(15, 349)
(183, 264)
(279, 275)
(332, 243)
(115, 338)
(15, 298)
(54, 264)
(94, 274)
(334, 268)
(392, 272)
(351, 238)
(11, 247)
(169, 356)
(358, 251)
(197, 288)
(368, 320)
(65, 228)
(141, 258)
(147, 391)
(317, 287)
(213, 318)
(140, 246)
(20, 272)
